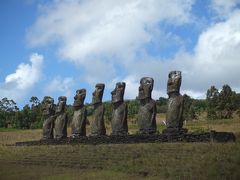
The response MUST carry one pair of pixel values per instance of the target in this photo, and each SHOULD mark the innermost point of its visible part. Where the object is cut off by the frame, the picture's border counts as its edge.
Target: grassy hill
(129, 161)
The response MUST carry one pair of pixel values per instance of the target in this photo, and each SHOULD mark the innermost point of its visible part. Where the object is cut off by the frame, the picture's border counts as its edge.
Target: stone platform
(211, 136)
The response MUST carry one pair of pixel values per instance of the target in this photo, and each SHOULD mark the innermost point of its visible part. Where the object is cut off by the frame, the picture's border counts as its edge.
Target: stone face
(61, 120)
(48, 111)
(98, 93)
(174, 82)
(98, 126)
(147, 111)
(174, 116)
(120, 110)
(80, 114)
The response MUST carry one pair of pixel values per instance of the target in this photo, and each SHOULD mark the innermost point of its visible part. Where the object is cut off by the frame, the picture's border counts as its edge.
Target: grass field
(129, 161)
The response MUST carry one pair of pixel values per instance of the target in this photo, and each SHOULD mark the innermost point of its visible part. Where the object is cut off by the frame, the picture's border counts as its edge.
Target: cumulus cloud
(216, 58)
(214, 61)
(17, 84)
(109, 40)
(224, 8)
(60, 85)
(100, 34)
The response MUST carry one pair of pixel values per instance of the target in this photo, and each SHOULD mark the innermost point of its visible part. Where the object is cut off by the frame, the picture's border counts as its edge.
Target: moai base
(133, 139)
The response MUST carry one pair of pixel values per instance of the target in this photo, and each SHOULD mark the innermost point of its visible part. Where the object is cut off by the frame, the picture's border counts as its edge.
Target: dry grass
(129, 161)
(11, 137)
(227, 125)
(172, 160)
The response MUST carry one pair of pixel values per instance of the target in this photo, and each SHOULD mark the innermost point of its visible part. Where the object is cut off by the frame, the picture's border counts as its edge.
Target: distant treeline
(217, 105)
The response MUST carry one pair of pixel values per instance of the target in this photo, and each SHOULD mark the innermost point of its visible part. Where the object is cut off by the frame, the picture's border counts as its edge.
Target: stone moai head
(118, 92)
(145, 88)
(48, 106)
(62, 100)
(98, 93)
(174, 82)
(79, 98)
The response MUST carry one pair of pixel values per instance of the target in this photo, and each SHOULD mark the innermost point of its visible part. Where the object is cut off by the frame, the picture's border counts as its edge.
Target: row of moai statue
(55, 118)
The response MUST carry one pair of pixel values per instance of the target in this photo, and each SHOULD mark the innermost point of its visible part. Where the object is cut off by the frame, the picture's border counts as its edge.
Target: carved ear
(151, 87)
(169, 75)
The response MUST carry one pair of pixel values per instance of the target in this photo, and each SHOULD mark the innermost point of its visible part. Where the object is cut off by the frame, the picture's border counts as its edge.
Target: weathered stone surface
(80, 114)
(98, 126)
(147, 111)
(48, 111)
(120, 110)
(131, 139)
(60, 125)
(174, 115)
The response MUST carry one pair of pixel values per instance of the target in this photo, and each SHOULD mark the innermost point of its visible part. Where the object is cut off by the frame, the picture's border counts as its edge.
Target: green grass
(123, 161)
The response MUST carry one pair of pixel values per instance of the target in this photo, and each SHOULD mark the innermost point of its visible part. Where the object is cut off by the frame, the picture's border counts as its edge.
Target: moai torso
(98, 125)
(79, 122)
(147, 110)
(80, 114)
(48, 117)
(174, 112)
(120, 110)
(147, 118)
(174, 116)
(61, 120)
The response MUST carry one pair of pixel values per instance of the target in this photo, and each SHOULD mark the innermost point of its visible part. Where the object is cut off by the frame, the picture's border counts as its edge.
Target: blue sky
(56, 47)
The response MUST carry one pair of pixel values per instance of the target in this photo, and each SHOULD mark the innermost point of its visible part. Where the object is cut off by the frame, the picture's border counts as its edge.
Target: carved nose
(170, 83)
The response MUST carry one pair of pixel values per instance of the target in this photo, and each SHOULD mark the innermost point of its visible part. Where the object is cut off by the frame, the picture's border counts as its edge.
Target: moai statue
(80, 114)
(48, 111)
(98, 126)
(60, 125)
(147, 111)
(174, 116)
(120, 110)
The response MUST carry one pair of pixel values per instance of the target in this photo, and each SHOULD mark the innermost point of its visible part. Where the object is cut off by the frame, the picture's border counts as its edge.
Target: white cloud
(132, 84)
(195, 94)
(99, 71)
(60, 85)
(224, 8)
(26, 74)
(17, 84)
(102, 37)
(214, 61)
(100, 34)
